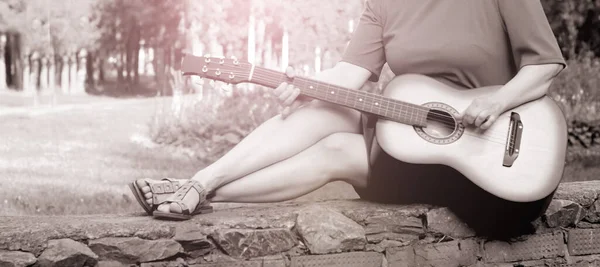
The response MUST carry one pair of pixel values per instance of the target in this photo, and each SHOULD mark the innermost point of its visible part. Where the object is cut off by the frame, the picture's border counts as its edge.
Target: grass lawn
(78, 159)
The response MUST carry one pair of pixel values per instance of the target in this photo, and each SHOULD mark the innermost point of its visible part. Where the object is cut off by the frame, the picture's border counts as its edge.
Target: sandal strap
(177, 198)
(164, 186)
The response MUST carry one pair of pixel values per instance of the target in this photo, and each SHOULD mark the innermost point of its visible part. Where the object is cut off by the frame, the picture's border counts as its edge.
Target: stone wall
(332, 233)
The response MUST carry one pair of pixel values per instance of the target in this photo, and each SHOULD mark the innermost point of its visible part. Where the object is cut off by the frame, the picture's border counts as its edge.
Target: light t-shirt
(470, 43)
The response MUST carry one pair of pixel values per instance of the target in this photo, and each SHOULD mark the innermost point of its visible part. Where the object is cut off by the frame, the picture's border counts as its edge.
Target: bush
(576, 89)
(208, 125)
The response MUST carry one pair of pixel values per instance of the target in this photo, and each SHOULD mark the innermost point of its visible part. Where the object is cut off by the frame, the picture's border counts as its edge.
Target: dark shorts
(395, 182)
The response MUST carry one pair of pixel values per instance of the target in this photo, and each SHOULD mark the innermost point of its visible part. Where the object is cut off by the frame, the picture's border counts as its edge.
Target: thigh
(344, 157)
(322, 114)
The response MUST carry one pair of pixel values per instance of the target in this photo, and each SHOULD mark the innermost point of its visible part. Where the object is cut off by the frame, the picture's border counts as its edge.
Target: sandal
(201, 208)
(161, 190)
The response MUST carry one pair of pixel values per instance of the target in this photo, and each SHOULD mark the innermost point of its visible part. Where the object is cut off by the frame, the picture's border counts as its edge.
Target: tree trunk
(81, 71)
(52, 73)
(159, 67)
(73, 74)
(92, 76)
(3, 77)
(25, 73)
(64, 74)
(44, 74)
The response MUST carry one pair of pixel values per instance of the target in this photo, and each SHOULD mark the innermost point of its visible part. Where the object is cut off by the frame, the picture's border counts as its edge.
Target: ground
(78, 156)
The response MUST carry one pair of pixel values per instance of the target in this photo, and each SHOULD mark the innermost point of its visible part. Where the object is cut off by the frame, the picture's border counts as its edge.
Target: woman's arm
(342, 74)
(530, 83)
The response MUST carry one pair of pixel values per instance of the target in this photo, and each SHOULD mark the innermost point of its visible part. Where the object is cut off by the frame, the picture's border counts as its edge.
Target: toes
(145, 189)
(164, 208)
(175, 208)
(149, 201)
(141, 182)
(148, 195)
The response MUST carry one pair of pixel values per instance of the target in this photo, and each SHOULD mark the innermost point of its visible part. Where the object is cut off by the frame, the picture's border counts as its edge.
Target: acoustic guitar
(520, 158)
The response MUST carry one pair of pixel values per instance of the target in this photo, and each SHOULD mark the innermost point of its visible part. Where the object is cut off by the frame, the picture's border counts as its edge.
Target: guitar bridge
(513, 144)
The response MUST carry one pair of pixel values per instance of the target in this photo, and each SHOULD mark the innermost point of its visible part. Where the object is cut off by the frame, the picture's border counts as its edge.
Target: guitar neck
(371, 103)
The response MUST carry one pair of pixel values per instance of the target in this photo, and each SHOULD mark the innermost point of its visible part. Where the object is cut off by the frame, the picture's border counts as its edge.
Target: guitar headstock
(216, 68)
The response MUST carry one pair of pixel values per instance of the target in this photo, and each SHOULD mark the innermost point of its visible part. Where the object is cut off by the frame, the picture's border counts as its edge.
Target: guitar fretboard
(379, 105)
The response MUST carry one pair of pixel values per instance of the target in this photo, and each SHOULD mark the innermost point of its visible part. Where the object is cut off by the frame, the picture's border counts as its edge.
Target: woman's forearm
(530, 83)
(345, 75)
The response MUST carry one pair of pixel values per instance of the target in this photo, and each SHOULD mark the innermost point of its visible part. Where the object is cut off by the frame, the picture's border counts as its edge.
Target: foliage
(51, 26)
(209, 127)
(575, 24)
(576, 89)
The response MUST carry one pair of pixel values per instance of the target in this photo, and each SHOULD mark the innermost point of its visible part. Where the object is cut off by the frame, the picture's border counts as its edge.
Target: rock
(563, 213)
(593, 214)
(582, 193)
(177, 263)
(16, 258)
(453, 253)
(532, 247)
(194, 242)
(404, 238)
(384, 244)
(248, 243)
(327, 231)
(443, 221)
(405, 225)
(113, 264)
(66, 252)
(133, 249)
(587, 225)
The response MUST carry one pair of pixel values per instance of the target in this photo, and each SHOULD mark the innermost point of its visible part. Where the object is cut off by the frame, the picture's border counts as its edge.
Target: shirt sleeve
(366, 48)
(530, 34)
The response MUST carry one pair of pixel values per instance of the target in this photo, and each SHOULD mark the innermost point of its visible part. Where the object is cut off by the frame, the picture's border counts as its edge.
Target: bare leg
(274, 141)
(278, 139)
(341, 156)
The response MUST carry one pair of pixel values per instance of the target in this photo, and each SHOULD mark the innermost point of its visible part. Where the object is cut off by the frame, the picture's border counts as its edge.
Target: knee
(349, 155)
(336, 144)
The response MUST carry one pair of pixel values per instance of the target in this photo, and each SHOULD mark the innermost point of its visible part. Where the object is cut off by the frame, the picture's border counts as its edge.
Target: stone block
(583, 241)
(249, 243)
(194, 242)
(533, 247)
(452, 253)
(593, 213)
(16, 258)
(443, 221)
(384, 244)
(326, 231)
(563, 213)
(66, 252)
(349, 259)
(133, 249)
(583, 193)
(400, 257)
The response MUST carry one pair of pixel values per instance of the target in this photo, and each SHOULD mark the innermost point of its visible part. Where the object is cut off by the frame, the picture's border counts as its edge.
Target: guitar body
(532, 172)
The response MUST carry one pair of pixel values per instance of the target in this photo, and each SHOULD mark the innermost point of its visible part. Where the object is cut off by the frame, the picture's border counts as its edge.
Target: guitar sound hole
(440, 124)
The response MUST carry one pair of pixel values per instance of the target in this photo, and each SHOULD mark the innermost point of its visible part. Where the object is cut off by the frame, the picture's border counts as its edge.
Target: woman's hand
(288, 95)
(482, 112)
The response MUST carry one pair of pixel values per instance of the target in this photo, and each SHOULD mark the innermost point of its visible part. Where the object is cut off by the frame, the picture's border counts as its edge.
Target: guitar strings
(491, 136)
(500, 140)
(449, 125)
